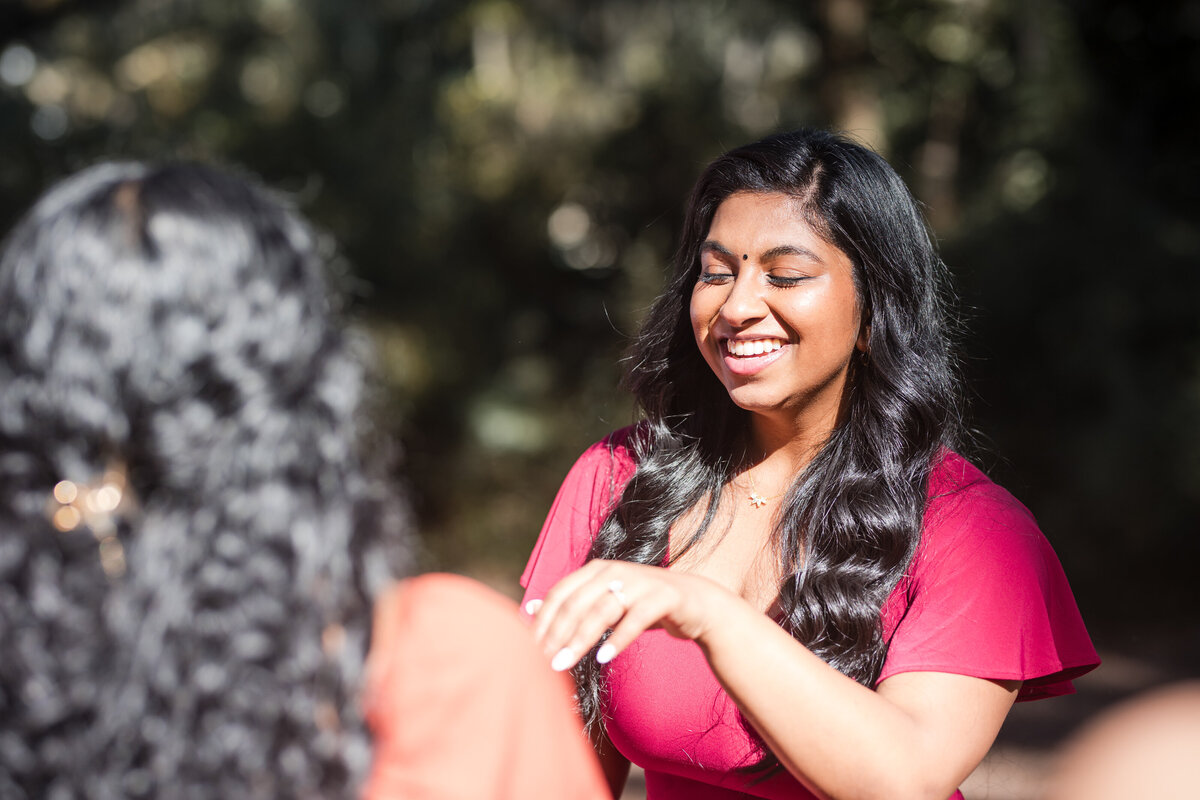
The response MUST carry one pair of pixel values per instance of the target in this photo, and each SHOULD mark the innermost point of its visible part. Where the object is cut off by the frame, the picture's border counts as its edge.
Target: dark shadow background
(504, 180)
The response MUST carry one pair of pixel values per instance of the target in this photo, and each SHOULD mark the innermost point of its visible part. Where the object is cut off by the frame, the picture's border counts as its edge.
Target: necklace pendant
(757, 500)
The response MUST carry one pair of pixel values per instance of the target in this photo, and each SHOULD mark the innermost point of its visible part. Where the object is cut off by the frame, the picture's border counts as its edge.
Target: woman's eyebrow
(718, 249)
(709, 246)
(790, 250)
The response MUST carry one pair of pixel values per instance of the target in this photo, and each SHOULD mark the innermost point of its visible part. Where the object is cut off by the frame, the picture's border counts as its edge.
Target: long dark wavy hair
(852, 518)
(172, 325)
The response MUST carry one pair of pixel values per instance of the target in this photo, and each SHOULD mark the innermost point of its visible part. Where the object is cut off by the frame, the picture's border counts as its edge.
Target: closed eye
(784, 281)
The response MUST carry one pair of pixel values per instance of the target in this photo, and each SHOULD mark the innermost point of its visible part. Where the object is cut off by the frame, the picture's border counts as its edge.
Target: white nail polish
(605, 653)
(563, 659)
(532, 607)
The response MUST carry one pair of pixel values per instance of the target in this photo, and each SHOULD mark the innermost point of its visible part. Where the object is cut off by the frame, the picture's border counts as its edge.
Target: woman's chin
(754, 401)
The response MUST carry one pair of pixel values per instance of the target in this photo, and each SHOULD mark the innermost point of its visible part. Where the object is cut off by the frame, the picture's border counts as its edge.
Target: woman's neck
(784, 439)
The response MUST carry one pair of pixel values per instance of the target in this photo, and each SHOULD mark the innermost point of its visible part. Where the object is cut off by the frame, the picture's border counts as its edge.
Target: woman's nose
(745, 303)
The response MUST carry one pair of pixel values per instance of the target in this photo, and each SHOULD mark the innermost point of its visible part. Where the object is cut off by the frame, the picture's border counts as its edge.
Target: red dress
(462, 705)
(985, 596)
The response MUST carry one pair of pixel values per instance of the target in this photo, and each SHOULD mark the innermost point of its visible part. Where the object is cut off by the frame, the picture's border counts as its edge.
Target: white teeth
(757, 347)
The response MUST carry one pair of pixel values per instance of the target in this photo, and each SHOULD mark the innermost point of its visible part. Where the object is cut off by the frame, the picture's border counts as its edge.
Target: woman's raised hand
(629, 599)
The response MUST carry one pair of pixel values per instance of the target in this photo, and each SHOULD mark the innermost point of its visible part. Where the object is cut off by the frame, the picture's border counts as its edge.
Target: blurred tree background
(505, 181)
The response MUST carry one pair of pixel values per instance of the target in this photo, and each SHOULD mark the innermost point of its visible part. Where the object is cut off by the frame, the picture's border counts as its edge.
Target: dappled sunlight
(505, 182)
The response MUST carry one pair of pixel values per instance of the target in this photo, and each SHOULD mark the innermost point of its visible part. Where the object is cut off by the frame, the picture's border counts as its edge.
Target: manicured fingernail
(605, 653)
(563, 659)
(532, 607)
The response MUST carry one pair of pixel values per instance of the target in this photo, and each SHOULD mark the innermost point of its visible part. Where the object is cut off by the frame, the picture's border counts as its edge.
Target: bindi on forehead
(745, 256)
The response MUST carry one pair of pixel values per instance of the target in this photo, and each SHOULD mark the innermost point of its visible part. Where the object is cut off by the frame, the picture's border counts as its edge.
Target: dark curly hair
(852, 519)
(173, 322)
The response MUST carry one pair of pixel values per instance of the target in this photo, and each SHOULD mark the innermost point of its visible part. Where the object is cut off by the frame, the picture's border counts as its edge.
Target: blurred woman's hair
(852, 519)
(191, 533)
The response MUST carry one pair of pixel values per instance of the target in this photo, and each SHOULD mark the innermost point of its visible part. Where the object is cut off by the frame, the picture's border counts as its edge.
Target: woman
(796, 568)
(193, 542)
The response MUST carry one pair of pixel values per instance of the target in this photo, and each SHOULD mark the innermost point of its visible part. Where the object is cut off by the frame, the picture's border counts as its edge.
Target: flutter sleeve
(590, 490)
(985, 594)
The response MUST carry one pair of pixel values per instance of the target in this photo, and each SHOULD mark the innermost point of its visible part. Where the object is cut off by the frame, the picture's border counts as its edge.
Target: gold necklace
(756, 499)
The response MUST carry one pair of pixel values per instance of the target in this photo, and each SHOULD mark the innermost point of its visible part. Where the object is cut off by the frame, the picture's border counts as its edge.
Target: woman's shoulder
(954, 473)
(452, 670)
(968, 509)
(613, 457)
(456, 597)
(421, 607)
(957, 486)
(985, 594)
(441, 623)
(591, 488)
(624, 443)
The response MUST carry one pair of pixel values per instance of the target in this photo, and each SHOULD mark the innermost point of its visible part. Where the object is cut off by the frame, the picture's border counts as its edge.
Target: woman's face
(774, 309)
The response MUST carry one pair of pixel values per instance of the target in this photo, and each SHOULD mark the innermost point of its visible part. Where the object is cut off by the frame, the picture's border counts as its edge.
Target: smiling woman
(784, 582)
(778, 330)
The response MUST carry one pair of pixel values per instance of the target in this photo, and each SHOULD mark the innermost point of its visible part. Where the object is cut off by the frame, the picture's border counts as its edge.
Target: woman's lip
(748, 365)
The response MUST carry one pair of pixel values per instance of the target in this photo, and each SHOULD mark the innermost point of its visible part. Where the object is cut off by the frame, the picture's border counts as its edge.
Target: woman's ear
(864, 338)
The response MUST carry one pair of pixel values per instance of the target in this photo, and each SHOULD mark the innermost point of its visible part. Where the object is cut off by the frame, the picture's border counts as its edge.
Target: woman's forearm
(920, 738)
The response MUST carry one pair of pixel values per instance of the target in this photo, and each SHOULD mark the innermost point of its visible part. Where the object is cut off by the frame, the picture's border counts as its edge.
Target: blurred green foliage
(505, 181)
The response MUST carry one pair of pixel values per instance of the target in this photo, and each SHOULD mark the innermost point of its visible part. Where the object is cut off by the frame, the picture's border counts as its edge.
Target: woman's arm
(919, 735)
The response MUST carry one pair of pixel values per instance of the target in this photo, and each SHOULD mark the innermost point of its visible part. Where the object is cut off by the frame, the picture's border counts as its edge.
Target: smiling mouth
(749, 349)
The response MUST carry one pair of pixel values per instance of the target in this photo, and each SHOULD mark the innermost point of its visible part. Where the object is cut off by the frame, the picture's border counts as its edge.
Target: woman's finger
(608, 608)
(581, 618)
(548, 610)
(647, 613)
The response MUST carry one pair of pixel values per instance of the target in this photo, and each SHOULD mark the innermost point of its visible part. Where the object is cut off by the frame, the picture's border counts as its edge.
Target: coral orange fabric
(461, 704)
